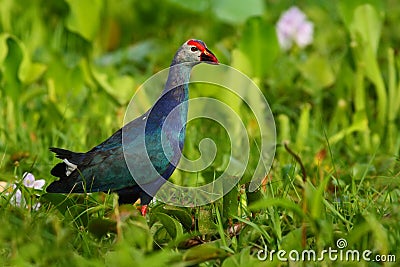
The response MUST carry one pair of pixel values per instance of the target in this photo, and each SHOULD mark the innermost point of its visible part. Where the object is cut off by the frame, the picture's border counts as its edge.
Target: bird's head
(194, 51)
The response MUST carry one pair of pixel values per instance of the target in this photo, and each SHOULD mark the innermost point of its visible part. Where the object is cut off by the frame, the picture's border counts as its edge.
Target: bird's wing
(105, 166)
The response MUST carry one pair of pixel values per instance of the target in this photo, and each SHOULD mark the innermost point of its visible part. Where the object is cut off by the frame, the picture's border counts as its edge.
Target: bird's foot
(143, 210)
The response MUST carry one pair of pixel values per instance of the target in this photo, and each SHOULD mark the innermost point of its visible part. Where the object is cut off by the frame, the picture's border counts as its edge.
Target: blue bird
(138, 158)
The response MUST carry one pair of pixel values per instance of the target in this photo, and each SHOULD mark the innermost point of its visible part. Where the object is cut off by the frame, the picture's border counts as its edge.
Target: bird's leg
(143, 210)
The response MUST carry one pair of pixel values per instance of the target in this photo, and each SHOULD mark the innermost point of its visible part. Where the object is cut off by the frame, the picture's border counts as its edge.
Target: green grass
(67, 76)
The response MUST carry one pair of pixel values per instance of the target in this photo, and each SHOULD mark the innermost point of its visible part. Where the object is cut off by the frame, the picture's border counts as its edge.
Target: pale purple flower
(29, 181)
(16, 199)
(36, 206)
(293, 27)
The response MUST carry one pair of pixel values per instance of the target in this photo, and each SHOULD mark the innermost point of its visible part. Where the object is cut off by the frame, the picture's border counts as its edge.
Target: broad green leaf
(203, 253)
(315, 198)
(230, 204)
(173, 227)
(241, 61)
(244, 257)
(102, 226)
(259, 43)
(347, 9)
(139, 52)
(365, 28)
(253, 197)
(126, 255)
(292, 240)
(205, 221)
(274, 202)
(367, 23)
(360, 170)
(124, 87)
(237, 11)
(60, 201)
(29, 71)
(380, 233)
(10, 67)
(225, 75)
(22, 69)
(3, 47)
(317, 70)
(119, 88)
(85, 17)
(261, 229)
(181, 214)
(194, 5)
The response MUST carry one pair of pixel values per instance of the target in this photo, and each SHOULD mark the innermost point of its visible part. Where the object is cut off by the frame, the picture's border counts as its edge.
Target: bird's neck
(178, 79)
(173, 97)
(165, 127)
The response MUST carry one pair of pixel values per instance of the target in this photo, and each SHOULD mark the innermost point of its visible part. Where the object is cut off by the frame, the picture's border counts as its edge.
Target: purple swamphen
(137, 159)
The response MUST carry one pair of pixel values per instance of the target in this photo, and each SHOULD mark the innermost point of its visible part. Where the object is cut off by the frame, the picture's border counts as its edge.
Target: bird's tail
(66, 154)
(63, 170)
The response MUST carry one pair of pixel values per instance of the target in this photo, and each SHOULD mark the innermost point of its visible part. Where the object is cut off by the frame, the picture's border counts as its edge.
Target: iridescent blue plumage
(137, 159)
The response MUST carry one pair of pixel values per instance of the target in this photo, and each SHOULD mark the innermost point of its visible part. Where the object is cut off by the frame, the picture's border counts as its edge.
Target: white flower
(293, 27)
(29, 181)
(16, 199)
(36, 206)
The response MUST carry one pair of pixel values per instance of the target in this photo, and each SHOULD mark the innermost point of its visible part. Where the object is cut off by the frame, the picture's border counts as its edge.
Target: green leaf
(317, 70)
(206, 221)
(274, 202)
(367, 23)
(9, 66)
(181, 214)
(19, 60)
(364, 23)
(120, 89)
(241, 61)
(259, 43)
(173, 227)
(237, 11)
(60, 201)
(230, 204)
(348, 12)
(194, 5)
(243, 258)
(29, 71)
(3, 47)
(123, 88)
(292, 240)
(360, 124)
(84, 17)
(253, 197)
(315, 198)
(102, 226)
(203, 253)
(360, 171)
(138, 53)
(304, 126)
(380, 233)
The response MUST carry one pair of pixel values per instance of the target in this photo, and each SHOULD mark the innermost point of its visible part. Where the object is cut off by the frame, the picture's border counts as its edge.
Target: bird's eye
(194, 49)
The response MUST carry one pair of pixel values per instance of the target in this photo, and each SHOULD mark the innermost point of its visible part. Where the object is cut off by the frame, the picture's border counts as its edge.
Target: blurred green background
(68, 70)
